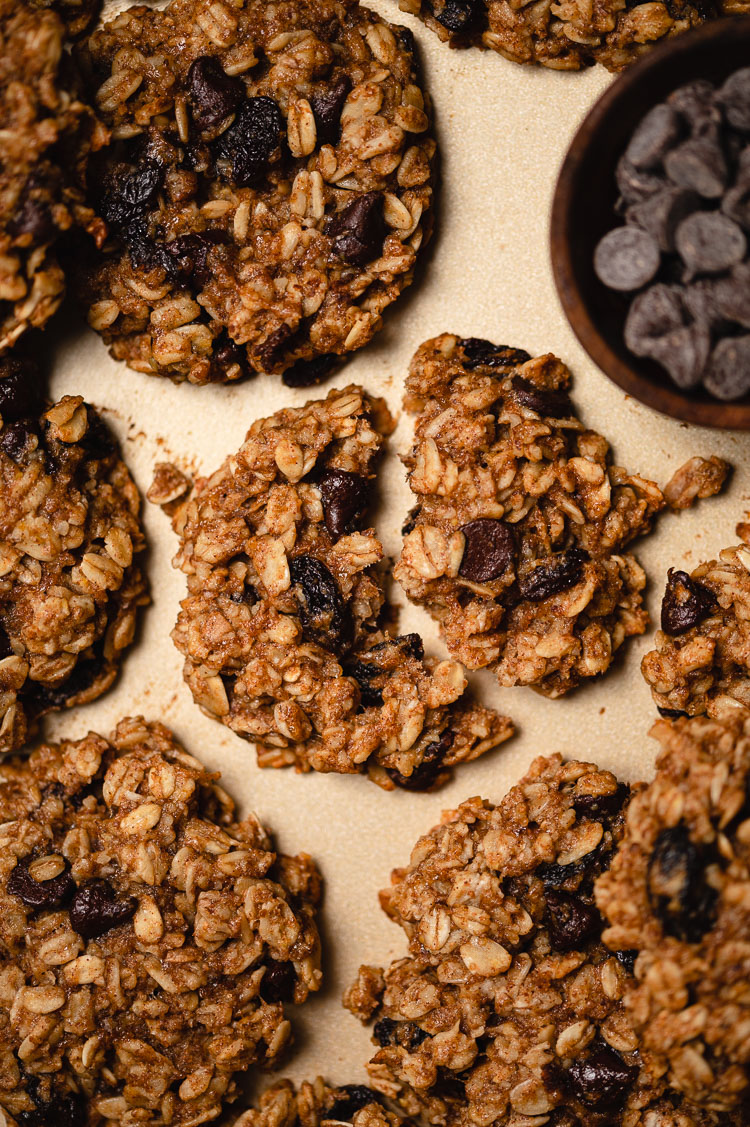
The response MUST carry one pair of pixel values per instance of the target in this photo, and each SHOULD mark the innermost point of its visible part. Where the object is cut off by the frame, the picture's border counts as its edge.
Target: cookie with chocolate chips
(677, 895)
(285, 627)
(71, 542)
(268, 190)
(315, 1103)
(149, 939)
(508, 1008)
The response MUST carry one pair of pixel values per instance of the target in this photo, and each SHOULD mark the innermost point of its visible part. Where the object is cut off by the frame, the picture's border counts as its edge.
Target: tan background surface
(503, 131)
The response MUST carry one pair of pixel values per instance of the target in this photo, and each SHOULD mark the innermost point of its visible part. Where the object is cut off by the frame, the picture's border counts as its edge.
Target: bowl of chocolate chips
(650, 228)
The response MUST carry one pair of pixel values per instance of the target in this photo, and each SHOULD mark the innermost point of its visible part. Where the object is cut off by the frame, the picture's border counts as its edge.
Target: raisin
(323, 613)
(277, 984)
(358, 230)
(483, 353)
(682, 898)
(20, 391)
(489, 551)
(131, 197)
(345, 496)
(554, 575)
(213, 93)
(543, 400)
(425, 773)
(601, 806)
(369, 695)
(349, 1099)
(306, 373)
(95, 910)
(33, 218)
(671, 713)
(226, 356)
(456, 15)
(326, 107)
(15, 439)
(601, 1079)
(403, 1033)
(38, 894)
(686, 603)
(43, 698)
(571, 923)
(189, 254)
(252, 141)
(269, 352)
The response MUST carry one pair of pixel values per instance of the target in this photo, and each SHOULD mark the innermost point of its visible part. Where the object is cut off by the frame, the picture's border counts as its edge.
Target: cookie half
(71, 539)
(268, 189)
(285, 626)
(149, 939)
(517, 541)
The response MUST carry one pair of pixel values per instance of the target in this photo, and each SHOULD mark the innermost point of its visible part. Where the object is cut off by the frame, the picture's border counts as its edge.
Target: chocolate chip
(425, 773)
(345, 497)
(252, 141)
(662, 213)
(38, 894)
(732, 295)
(95, 910)
(601, 806)
(348, 1100)
(698, 164)
(554, 575)
(601, 1079)
(33, 218)
(489, 551)
(358, 229)
(571, 924)
(325, 618)
(684, 353)
(129, 198)
(627, 960)
(653, 315)
(696, 103)
(212, 92)
(682, 898)
(656, 134)
(307, 373)
(548, 401)
(734, 96)
(736, 202)
(189, 254)
(456, 15)
(480, 353)
(405, 1034)
(626, 259)
(709, 243)
(278, 982)
(671, 713)
(327, 106)
(634, 185)
(686, 603)
(727, 374)
(20, 391)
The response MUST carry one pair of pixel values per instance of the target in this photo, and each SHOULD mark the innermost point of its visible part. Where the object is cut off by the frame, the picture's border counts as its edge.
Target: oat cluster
(284, 626)
(567, 34)
(677, 896)
(148, 939)
(314, 1103)
(516, 544)
(71, 579)
(269, 189)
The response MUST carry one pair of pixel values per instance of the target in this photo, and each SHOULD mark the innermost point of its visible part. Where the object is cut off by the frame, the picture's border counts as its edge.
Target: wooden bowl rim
(668, 400)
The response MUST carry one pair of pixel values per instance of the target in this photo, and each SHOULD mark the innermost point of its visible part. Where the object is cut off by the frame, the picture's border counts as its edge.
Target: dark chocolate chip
(480, 353)
(727, 373)
(39, 894)
(656, 134)
(684, 353)
(489, 551)
(252, 141)
(634, 185)
(698, 164)
(278, 983)
(358, 229)
(709, 243)
(20, 391)
(345, 497)
(662, 213)
(544, 400)
(456, 16)
(602, 1078)
(682, 898)
(324, 616)
(130, 197)
(95, 910)
(425, 773)
(734, 96)
(570, 923)
(348, 1100)
(327, 106)
(732, 295)
(686, 603)
(736, 202)
(33, 218)
(405, 1034)
(557, 574)
(626, 259)
(189, 254)
(627, 959)
(696, 103)
(213, 93)
(598, 806)
(307, 373)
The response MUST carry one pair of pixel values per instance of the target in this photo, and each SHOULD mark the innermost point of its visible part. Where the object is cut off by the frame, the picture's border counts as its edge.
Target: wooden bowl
(583, 211)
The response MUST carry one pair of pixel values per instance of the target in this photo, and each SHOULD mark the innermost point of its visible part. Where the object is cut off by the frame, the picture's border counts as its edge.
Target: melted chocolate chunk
(345, 496)
(686, 603)
(95, 911)
(326, 107)
(324, 616)
(601, 1079)
(213, 93)
(358, 230)
(554, 575)
(40, 894)
(490, 550)
(545, 401)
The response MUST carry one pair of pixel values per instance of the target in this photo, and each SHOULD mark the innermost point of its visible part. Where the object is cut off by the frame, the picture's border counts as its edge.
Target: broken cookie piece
(284, 629)
(516, 544)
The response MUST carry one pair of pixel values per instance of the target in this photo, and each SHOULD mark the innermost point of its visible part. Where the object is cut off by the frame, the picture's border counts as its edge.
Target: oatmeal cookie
(516, 544)
(312, 1104)
(677, 896)
(284, 626)
(566, 35)
(269, 188)
(508, 1008)
(70, 541)
(702, 654)
(148, 939)
(46, 131)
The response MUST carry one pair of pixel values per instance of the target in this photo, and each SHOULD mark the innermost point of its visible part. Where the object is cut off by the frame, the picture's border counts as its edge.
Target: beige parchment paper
(503, 131)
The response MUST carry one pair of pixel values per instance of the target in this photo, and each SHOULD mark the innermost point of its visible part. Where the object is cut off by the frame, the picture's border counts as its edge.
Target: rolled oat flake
(626, 259)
